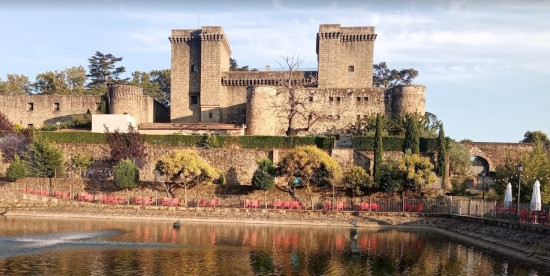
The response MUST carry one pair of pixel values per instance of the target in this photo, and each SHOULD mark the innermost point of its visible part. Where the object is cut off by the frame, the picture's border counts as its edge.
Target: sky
(485, 64)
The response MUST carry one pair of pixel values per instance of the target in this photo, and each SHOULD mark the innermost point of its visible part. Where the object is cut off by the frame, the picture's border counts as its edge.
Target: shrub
(127, 145)
(126, 174)
(356, 180)
(16, 170)
(262, 180)
(211, 141)
(13, 144)
(5, 124)
(43, 160)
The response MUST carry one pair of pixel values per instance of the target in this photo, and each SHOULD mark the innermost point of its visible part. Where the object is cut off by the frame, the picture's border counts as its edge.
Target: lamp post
(520, 169)
(483, 173)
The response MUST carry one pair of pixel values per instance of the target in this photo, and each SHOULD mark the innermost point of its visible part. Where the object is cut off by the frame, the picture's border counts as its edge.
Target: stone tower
(198, 59)
(345, 56)
(126, 99)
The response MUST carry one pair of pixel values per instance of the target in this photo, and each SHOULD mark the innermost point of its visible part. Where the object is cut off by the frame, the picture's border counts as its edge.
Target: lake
(57, 246)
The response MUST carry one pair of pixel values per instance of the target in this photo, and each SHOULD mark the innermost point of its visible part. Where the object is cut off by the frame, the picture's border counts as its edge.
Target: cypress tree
(412, 135)
(442, 154)
(378, 152)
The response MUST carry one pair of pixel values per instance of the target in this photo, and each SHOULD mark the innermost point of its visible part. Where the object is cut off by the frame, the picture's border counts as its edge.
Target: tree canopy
(417, 170)
(312, 165)
(533, 136)
(184, 168)
(43, 159)
(384, 77)
(155, 83)
(15, 84)
(70, 81)
(103, 69)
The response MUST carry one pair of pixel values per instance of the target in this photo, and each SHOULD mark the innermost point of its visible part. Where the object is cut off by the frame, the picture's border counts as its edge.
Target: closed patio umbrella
(508, 196)
(536, 198)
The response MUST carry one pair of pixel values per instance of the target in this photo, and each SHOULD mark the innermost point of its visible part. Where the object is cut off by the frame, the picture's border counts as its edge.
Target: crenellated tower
(345, 56)
(198, 59)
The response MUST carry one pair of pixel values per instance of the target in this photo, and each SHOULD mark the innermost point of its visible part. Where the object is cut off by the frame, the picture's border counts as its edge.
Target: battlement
(215, 33)
(346, 34)
(184, 36)
(273, 78)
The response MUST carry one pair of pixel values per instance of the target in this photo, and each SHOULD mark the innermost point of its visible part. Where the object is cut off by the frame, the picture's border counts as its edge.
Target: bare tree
(295, 98)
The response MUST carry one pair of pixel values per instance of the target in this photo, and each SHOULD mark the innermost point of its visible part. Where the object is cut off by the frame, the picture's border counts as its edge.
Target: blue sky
(486, 64)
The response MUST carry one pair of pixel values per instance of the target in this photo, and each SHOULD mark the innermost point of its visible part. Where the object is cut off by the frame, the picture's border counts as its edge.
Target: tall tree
(442, 158)
(412, 135)
(15, 84)
(67, 82)
(103, 69)
(378, 151)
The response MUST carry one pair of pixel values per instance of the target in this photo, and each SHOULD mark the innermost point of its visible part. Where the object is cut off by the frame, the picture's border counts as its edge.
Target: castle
(207, 95)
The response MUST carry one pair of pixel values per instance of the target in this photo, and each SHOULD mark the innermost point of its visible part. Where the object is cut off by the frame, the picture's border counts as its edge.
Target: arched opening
(479, 165)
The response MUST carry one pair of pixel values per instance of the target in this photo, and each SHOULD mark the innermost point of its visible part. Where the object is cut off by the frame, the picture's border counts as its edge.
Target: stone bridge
(487, 156)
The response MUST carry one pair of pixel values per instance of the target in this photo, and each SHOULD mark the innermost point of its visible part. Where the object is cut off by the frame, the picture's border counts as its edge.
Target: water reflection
(232, 249)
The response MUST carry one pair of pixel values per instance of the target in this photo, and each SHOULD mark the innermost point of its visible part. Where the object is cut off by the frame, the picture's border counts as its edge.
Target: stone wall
(38, 110)
(495, 153)
(238, 165)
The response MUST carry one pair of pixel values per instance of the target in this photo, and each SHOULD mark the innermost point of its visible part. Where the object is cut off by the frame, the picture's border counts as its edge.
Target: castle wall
(331, 109)
(38, 110)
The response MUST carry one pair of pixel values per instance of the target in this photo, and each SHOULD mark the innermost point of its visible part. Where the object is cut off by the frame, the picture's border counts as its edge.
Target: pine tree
(378, 152)
(102, 69)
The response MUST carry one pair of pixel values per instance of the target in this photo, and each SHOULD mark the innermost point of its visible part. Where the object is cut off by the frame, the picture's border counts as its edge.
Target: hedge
(263, 142)
(83, 137)
(391, 143)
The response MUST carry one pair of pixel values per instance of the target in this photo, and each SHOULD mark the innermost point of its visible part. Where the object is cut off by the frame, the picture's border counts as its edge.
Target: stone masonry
(204, 90)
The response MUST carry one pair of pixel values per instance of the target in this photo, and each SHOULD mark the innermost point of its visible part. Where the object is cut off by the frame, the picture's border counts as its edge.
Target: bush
(211, 141)
(16, 170)
(126, 174)
(5, 123)
(43, 160)
(262, 180)
(13, 144)
(356, 180)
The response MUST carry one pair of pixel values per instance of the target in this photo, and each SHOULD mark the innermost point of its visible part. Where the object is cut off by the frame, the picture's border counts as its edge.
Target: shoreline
(475, 233)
